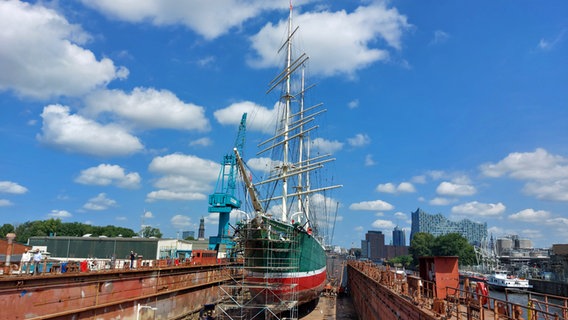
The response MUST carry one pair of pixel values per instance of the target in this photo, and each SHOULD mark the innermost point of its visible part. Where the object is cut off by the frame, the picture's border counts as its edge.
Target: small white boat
(501, 280)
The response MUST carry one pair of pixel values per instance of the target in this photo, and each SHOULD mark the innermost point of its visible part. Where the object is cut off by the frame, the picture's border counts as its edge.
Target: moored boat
(501, 280)
(283, 247)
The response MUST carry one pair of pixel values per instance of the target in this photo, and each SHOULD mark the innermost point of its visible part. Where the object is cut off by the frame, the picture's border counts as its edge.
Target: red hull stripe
(307, 285)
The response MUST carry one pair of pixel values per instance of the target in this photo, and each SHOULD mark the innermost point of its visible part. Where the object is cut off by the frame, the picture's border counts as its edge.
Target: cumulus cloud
(12, 187)
(383, 224)
(479, 209)
(147, 108)
(403, 187)
(440, 201)
(180, 221)
(359, 140)
(59, 214)
(545, 174)
(326, 146)
(360, 33)
(100, 202)
(203, 17)
(107, 174)
(376, 205)
(58, 65)
(203, 142)
(5, 203)
(455, 190)
(262, 164)
(530, 215)
(183, 177)
(259, 118)
(73, 133)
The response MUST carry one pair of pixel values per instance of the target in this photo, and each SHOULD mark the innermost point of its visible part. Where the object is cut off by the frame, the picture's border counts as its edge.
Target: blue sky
(118, 112)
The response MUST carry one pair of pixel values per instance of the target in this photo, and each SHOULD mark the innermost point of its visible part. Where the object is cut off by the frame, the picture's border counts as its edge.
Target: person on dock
(25, 262)
(132, 257)
(37, 259)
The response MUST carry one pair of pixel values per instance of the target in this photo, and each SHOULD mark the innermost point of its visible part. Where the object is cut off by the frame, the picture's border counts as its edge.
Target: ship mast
(288, 99)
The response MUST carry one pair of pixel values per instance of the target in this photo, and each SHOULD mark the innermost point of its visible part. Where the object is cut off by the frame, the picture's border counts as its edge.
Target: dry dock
(332, 308)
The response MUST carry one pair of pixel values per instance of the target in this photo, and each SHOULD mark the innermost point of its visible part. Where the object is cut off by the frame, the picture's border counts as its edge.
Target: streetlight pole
(140, 307)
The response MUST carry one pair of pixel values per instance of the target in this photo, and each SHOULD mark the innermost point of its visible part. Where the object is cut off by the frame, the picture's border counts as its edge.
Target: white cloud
(369, 160)
(100, 202)
(440, 37)
(5, 203)
(259, 118)
(58, 65)
(547, 45)
(326, 146)
(530, 215)
(147, 108)
(546, 175)
(455, 190)
(403, 187)
(183, 177)
(148, 215)
(12, 187)
(59, 214)
(210, 19)
(359, 140)
(537, 165)
(440, 201)
(74, 133)
(353, 104)
(180, 221)
(203, 142)
(359, 32)
(376, 205)
(383, 224)
(107, 174)
(261, 164)
(479, 209)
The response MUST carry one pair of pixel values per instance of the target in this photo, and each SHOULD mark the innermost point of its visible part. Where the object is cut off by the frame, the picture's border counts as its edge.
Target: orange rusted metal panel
(443, 271)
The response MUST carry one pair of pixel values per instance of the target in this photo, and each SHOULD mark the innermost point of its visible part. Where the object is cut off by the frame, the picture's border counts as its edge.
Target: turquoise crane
(223, 200)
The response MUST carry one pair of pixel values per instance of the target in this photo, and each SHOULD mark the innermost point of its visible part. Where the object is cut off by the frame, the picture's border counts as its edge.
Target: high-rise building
(438, 225)
(398, 237)
(201, 234)
(375, 241)
(187, 234)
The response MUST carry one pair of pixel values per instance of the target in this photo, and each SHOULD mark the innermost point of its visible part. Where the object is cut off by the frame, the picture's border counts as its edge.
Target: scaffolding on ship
(242, 299)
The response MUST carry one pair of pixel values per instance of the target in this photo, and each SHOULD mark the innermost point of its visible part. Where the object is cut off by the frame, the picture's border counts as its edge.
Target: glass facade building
(437, 225)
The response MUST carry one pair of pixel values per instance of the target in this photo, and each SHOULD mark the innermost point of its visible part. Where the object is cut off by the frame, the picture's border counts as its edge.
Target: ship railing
(466, 303)
(76, 265)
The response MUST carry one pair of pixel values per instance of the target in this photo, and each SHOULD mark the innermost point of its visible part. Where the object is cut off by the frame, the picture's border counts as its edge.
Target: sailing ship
(282, 242)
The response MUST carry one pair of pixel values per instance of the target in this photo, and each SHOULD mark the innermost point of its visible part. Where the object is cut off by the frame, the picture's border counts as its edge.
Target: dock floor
(332, 308)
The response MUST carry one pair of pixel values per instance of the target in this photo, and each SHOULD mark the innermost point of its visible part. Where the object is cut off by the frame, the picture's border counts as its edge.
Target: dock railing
(462, 303)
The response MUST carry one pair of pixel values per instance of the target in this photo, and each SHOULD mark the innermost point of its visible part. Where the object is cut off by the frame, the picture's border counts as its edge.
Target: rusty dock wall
(146, 293)
(375, 300)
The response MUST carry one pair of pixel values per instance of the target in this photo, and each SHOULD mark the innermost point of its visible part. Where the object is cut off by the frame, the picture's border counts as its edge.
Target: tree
(421, 246)
(5, 229)
(148, 232)
(454, 244)
(405, 261)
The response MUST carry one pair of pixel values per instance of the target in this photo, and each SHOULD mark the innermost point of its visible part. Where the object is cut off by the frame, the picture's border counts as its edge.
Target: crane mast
(223, 200)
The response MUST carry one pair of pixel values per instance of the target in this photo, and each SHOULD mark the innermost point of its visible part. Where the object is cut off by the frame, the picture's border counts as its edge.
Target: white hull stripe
(286, 275)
